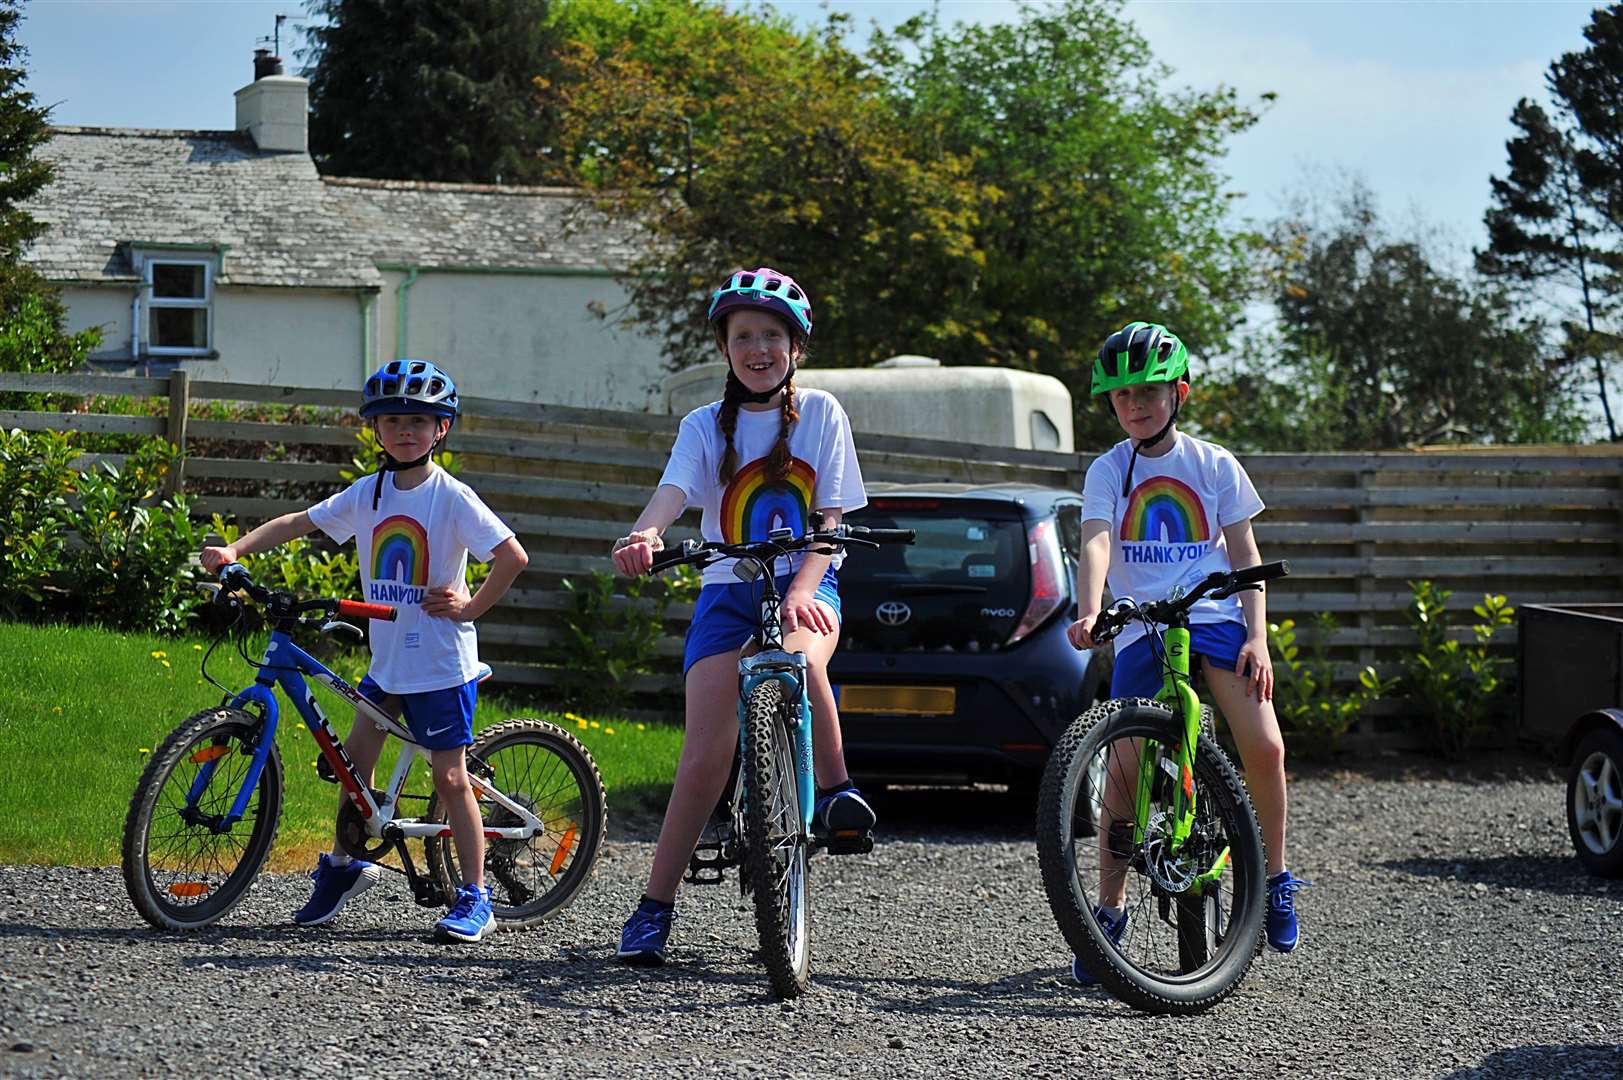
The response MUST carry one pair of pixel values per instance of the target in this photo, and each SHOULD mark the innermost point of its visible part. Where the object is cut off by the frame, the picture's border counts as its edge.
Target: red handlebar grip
(362, 610)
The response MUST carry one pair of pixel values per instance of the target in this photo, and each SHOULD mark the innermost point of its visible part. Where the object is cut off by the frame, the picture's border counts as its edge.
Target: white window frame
(146, 260)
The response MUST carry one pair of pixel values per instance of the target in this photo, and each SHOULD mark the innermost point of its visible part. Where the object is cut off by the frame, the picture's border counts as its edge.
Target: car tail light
(1048, 592)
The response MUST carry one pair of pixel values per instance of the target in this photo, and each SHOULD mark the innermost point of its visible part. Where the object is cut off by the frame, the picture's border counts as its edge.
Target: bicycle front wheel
(183, 867)
(546, 770)
(775, 841)
(1194, 908)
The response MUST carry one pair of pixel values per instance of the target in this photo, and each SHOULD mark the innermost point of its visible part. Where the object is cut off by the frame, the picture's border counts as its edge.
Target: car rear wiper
(925, 588)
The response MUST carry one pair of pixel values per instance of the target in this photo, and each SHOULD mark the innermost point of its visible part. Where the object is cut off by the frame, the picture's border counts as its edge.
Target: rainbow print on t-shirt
(755, 504)
(400, 551)
(1164, 510)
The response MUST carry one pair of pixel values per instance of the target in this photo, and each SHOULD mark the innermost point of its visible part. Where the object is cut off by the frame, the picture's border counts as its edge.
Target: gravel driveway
(1448, 933)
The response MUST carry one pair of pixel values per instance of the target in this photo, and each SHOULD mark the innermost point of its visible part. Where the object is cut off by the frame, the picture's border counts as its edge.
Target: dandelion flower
(166, 663)
(596, 724)
(144, 750)
(608, 731)
(642, 727)
(197, 648)
(57, 709)
(581, 724)
(158, 654)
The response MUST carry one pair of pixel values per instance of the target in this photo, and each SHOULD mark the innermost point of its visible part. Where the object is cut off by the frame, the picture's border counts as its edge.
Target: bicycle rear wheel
(1188, 942)
(546, 770)
(775, 841)
(183, 869)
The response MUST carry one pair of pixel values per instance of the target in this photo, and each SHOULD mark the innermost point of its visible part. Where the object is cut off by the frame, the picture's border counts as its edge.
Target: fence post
(1364, 585)
(180, 397)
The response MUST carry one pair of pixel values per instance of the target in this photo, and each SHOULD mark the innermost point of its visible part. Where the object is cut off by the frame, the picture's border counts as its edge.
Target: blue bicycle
(206, 809)
(765, 823)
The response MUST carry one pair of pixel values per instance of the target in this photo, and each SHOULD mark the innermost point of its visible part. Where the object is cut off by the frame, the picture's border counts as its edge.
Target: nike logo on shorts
(431, 732)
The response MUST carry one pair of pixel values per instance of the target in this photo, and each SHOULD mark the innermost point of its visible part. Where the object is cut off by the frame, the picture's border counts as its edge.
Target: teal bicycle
(1141, 809)
(765, 824)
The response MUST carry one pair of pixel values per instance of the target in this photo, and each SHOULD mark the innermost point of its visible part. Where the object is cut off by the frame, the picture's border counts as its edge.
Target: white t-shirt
(1168, 533)
(823, 474)
(415, 540)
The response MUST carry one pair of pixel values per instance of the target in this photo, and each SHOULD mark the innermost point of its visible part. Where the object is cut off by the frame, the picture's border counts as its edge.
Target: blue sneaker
(470, 918)
(1113, 931)
(1283, 933)
(844, 811)
(642, 942)
(335, 887)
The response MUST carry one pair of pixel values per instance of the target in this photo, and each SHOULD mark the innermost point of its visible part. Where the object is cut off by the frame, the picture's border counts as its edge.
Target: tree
(1379, 346)
(423, 90)
(1000, 195)
(1101, 198)
(32, 337)
(1557, 216)
(733, 139)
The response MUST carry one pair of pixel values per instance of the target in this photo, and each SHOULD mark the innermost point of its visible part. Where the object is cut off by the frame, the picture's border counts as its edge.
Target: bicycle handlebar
(762, 551)
(234, 577)
(1218, 585)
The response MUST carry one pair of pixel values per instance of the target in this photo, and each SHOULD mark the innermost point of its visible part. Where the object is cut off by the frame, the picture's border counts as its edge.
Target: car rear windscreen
(961, 586)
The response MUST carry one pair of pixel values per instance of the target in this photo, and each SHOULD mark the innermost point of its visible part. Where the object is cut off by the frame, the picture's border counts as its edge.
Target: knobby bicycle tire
(775, 844)
(1183, 952)
(180, 873)
(545, 769)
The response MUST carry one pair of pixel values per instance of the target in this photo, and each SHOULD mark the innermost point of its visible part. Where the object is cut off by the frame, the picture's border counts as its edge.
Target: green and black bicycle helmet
(1138, 354)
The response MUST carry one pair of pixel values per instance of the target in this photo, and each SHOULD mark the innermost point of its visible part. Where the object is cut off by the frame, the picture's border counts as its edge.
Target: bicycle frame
(286, 665)
(1177, 693)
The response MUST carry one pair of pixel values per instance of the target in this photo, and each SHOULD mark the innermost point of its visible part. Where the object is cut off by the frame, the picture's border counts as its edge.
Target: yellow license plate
(899, 700)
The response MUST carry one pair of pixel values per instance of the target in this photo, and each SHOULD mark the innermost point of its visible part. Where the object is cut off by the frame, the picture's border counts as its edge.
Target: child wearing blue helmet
(414, 526)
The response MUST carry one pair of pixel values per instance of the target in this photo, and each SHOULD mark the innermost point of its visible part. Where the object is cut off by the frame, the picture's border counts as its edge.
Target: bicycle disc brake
(1171, 872)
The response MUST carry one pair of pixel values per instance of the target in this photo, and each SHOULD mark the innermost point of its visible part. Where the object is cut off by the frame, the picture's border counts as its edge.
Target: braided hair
(778, 459)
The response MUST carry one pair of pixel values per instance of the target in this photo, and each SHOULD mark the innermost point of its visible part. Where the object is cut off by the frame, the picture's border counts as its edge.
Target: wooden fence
(1539, 525)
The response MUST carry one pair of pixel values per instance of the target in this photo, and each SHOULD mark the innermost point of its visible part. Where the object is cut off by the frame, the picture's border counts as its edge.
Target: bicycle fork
(1178, 769)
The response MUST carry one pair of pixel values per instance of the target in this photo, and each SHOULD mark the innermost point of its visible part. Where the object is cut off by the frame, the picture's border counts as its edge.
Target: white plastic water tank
(917, 396)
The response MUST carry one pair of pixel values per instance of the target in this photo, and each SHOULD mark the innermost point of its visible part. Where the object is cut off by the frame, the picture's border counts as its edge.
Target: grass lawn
(81, 708)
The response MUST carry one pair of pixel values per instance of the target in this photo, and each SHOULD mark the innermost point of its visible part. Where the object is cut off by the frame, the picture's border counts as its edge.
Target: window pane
(178, 280)
(179, 328)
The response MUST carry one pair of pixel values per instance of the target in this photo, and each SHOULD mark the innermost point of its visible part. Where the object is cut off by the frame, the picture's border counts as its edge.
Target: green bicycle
(1140, 807)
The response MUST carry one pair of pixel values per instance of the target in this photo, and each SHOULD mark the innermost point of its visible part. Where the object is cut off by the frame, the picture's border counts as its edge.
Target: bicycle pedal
(707, 869)
(427, 895)
(324, 770)
(848, 842)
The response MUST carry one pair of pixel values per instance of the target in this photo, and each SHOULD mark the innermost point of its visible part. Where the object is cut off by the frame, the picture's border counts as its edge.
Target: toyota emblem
(893, 613)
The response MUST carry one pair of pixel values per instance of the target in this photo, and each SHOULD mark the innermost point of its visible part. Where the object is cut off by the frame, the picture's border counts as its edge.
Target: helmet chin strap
(393, 464)
(742, 393)
(1127, 481)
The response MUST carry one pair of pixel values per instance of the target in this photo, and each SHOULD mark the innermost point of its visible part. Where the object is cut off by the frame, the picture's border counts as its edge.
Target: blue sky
(1414, 97)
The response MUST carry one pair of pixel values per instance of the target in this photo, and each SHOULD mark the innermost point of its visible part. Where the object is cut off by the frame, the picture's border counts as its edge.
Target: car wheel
(1595, 802)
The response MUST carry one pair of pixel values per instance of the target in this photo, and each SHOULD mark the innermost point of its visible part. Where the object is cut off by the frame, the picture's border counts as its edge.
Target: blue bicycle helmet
(410, 386)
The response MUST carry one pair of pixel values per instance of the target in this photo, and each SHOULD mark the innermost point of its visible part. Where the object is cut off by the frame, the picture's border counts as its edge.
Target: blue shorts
(727, 616)
(438, 719)
(1138, 673)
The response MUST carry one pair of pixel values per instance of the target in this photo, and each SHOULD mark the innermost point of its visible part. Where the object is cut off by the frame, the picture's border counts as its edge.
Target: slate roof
(281, 223)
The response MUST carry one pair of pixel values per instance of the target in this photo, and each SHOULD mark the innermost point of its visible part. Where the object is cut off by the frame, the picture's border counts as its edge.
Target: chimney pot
(266, 64)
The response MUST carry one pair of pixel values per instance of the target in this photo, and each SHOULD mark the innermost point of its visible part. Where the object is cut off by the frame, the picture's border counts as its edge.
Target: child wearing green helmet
(1161, 510)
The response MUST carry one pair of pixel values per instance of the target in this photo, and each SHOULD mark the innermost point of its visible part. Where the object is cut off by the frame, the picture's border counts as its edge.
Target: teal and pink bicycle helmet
(764, 289)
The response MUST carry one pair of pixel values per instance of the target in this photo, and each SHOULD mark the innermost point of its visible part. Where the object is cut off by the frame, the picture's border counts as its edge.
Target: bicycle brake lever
(1224, 594)
(333, 624)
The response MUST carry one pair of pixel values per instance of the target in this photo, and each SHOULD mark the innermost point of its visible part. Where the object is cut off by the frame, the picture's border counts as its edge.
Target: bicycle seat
(484, 673)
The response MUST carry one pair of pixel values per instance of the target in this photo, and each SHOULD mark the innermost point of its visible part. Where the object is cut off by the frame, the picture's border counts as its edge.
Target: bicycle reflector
(1048, 591)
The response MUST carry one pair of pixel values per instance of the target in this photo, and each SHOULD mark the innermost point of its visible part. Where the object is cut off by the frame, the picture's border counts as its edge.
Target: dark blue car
(953, 666)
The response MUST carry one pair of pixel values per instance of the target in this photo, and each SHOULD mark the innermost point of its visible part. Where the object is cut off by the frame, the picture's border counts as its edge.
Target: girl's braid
(731, 398)
(779, 460)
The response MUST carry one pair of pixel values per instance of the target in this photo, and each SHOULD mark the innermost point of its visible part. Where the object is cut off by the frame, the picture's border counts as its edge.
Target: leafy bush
(129, 562)
(34, 474)
(1314, 715)
(607, 640)
(1457, 685)
(33, 341)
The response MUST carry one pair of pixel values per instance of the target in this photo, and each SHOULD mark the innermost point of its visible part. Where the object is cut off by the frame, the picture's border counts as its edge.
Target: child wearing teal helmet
(414, 526)
(766, 455)
(1161, 510)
